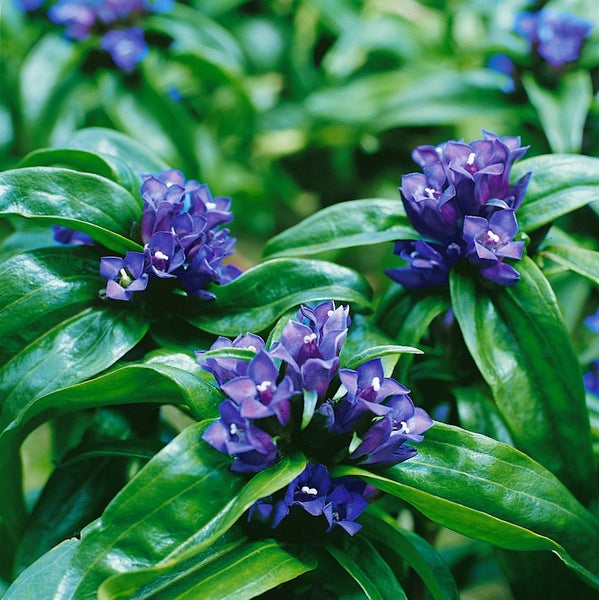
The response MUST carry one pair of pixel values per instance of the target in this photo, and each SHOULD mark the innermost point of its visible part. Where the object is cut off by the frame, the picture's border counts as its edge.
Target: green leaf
(310, 400)
(72, 351)
(520, 344)
(118, 147)
(563, 110)
(40, 289)
(193, 499)
(561, 183)
(259, 296)
(343, 225)
(81, 201)
(245, 571)
(489, 491)
(415, 550)
(46, 573)
(581, 261)
(379, 352)
(367, 567)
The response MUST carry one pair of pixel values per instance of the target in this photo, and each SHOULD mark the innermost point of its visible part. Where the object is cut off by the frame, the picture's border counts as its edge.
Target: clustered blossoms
(294, 396)
(181, 231)
(556, 36)
(110, 18)
(463, 205)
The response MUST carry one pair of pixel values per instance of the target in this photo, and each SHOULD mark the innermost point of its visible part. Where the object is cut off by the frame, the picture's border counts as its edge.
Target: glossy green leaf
(367, 567)
(81, 201)
(46, 573)
(520, 344)
(561, 183)
(581, 261)
(117, 146)
(259, 296)
(379, 352)
(40, 289)
(415, 550)
(72, 351)
(487, 490)
(245, 571)
(194, 499)
(343, 225)
(562, 111)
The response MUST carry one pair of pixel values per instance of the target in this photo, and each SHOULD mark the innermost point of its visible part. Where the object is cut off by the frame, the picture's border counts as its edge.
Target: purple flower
(428, 263)
(309, 491)
(125, 46)
(591, 378)
(367, 389)
(64, 235)
(383, 442)
(164, 254)
(225, 369)
(258, 394)
(345, 503)
(77, 15)
(592, 322)
(28, 5)
(125, 275)
(557, 36)
(109, 11)
(253, 448)
(311, 345)
(490, 241)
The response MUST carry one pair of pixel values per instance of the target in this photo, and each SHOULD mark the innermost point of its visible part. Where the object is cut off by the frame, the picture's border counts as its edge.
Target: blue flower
(557, 36)
(591, 379)
(64, 235)
(126, 46)
(345, 503)
(78, 16)
(501, 63)
(252, 448)
(592, 322)
(125, 275)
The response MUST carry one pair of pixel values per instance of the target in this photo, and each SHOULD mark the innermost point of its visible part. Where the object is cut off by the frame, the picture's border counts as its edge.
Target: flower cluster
(109, 18)
(181, 231)
(464, 206)
(294, 396)
(556, 36)
(591, 377)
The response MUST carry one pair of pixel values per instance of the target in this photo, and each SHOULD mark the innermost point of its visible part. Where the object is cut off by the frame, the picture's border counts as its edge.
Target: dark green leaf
(379, 352)
(245, 571)
(561, 183)
(259, 296)
(581, 261)
(563, 110)
(490, 491)
(415, 550)
(343, 225)
(81, 201)
(42, 288)
(194, 499)
(367, 567)
(521, 347)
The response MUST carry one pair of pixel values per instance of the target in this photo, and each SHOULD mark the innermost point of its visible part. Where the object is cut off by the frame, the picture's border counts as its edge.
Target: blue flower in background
(64, 235)
(501, 63)
(592, 322)
(461, 184)
(556, 36)
(111, 19)
(591, 378)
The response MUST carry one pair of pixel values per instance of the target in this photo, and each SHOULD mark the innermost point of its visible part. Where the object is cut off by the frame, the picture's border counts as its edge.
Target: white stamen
(376, 384)
(404, 427)
(430, 192)
(233, 429)
(492, 236)
(123, 274)
(210, 205)
(160, 255)
(262, 387)
(470, 159)
(330, 313)
(309, 491)
(309, 338)
(252, 348)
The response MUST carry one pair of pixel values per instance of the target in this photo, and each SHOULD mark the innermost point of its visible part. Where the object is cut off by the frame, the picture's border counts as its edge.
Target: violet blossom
(125, 275)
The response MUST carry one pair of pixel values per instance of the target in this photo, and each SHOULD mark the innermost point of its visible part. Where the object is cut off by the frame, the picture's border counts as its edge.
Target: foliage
(306, 114)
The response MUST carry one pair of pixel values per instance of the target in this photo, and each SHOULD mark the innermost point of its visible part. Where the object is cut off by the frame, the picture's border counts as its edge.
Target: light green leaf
(581, 261)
